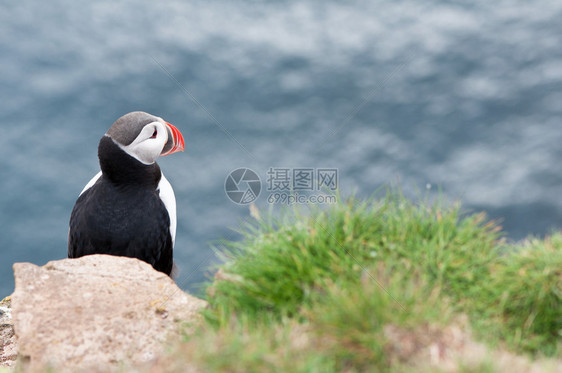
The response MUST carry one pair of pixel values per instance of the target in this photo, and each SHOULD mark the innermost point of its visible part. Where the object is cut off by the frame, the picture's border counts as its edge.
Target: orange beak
(175, 141)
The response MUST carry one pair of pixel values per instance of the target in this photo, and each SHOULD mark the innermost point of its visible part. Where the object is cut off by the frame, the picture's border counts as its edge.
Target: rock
(8, 346)
(96, 313)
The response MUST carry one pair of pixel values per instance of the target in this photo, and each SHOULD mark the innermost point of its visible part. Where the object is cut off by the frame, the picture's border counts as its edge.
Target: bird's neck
(122, 169)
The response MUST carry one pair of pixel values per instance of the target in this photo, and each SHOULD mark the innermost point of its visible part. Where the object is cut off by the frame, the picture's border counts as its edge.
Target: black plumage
(122, 213)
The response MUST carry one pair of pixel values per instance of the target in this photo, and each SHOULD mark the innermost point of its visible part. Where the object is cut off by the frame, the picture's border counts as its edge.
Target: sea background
(463, 99)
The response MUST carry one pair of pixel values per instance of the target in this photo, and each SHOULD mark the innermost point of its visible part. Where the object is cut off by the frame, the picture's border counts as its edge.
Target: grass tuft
(523, 303)
(374, 286)
(279, 266)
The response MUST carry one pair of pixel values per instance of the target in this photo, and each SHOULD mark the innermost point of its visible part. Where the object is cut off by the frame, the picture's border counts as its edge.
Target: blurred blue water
(465, 97)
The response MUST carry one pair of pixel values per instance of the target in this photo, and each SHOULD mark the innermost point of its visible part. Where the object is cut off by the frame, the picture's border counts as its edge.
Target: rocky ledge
(96, 313)
(8, 347)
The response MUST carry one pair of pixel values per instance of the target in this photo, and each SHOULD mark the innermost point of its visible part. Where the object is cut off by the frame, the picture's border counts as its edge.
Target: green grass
(524, 300)
(321, 291)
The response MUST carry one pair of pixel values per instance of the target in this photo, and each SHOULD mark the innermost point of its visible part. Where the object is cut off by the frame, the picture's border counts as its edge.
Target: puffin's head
(145, 137)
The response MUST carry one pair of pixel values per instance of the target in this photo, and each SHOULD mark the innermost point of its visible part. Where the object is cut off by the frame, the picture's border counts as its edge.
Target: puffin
(129, 208)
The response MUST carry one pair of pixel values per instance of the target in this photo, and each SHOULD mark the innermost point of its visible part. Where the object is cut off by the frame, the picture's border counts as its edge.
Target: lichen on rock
(8, 346)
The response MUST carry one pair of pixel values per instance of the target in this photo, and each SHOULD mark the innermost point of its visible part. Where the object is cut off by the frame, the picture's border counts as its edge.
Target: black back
(122, 213)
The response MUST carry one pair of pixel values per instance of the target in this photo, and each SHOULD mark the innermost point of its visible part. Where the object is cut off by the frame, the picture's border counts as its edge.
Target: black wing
(130, 222)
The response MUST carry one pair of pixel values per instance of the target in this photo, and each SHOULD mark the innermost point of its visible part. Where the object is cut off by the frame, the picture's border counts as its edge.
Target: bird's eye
(154, 134)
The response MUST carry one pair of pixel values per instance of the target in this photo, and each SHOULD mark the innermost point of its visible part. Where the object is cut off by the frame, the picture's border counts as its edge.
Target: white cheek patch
(144, 148)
